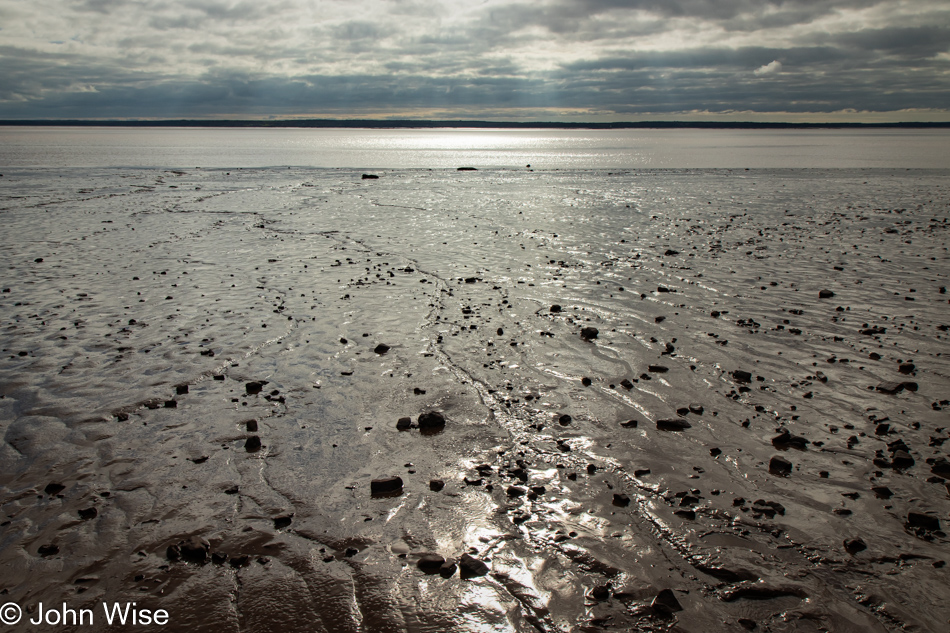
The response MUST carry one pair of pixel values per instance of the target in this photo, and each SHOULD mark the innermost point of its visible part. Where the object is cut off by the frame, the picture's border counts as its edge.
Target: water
(450, 148)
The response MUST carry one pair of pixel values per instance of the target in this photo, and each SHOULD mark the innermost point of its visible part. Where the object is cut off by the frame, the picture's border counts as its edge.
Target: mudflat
(507, 400)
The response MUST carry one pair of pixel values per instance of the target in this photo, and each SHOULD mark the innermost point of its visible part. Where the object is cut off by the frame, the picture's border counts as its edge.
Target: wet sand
(654, 418)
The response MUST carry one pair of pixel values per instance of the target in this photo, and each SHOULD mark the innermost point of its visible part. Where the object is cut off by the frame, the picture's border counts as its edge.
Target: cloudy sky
(571, 60)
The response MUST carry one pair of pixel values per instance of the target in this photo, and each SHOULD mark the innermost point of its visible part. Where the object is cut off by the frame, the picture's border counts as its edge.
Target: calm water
(449, 148)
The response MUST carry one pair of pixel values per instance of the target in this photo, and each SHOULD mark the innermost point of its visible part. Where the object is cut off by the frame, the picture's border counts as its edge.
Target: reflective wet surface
(202, 372)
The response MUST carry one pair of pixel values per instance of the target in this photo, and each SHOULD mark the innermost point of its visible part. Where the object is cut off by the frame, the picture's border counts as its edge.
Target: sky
(550, 60)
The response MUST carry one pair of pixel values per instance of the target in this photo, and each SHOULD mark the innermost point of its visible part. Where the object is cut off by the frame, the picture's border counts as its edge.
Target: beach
(668, 399)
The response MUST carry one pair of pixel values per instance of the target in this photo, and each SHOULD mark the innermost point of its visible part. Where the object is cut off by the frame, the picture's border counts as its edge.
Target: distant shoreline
(413, 124)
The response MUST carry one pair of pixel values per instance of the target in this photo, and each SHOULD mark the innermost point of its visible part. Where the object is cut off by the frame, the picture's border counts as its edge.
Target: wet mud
(295, 399)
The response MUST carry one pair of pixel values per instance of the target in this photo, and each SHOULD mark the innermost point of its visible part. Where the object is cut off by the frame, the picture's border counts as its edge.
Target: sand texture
(668, 400)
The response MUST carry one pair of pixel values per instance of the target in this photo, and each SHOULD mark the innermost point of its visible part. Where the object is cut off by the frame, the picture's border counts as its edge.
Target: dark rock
(696, 408)
(195, 550)
(586, 381)
(466, 169)
(786, 440)
(641, 472)
(825, 294)
(906, 368)
(589, 333)
(686, 514)
(780, 466)
(555, 308)
(171, 404)
(941, 467)
(926, 522)
(600, 593)
(283, 521)
(254, 387)
(854, 545)
(219, 558)
(882, 492)
(629, 424)
(621, 501)
(251, 426)
(902, 459)
(882, 429)
(683, 411)
(662, 289)
(181, 390)
(381, 349)
(741, 376)
(252, 444)
(385, 485)
(770, 508)
(430, 563)
(909, 386)
(54, 488)
(672, 425)
(890, 387)
(626, 384)
(715, 452)
(88, 513)
(666, 603)
(369, 177)
(564, 420)
(435, 485)
(658, 369)
(432, 420)
(448, 568)
(516, 491)
(47, 550)
(404, 424)
(350, 552)
(471, 567)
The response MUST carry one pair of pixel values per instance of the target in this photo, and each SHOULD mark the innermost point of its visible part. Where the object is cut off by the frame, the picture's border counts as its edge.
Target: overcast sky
(571, 60)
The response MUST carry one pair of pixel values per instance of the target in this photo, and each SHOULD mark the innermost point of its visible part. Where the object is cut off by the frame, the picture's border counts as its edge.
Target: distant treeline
(409, 123)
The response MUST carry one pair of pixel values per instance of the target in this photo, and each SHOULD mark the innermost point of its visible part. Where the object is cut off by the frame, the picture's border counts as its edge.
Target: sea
(481, 148)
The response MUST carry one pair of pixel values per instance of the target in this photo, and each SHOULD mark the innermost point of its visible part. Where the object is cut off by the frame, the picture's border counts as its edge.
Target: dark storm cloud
(620, 58)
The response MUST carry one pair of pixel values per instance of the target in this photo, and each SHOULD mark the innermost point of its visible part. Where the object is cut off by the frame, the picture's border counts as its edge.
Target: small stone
(587, 382)
(448, 568)
(906, 368)
(666, 603)
(432, 420)
(780, 466)
(629, 424)
(600, 593)
(516, 491)
(555, 308)
(369, 177)
(181, 390)
(430, 563)
(564, 420)
(436, 485)
(672, 425)
(381, 349)
(890, 387)
(54, 488)
(589, 333)
(917, 520)
(252, 444)
(195, 550)
(825, 294)
(696, 408)
(471, 567)
(404, 424)
(621, 500)
(658, 369)
(283, 521)
(742, 376)
(254, 387)
(626, 384)
(251, 426)
(854, 545)
(88, 513)
(385, 485)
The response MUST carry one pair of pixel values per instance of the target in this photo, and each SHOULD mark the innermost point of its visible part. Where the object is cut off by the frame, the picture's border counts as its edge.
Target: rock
(629, 424)
(890, 387)
(195, 550)
(600, 593)
(53, 488)
(252, 444)
(683, 411)
(882, 492)
(902, 459)
(941, 467)
(404, 424)
(564, 420)
(555, 308)
(47, 550)
(715, 452)
(825, 294)
(786, 440)
(283, 521)
(433, 420)
(909, 386)
(251, 426)
(181, 390)
(658, 369)
(589, 333)
(882, 429)
(447, 570)
(621, 501)
(670, 252)
(641, 472)
(430, 563)
(587, 382)
(741, 376)
(906, 368)
(926, 522)
(381, 349)
(369, 177)
(666, 603)
(254, 387)
(672, 425)
(696, 408)
(626, 384)
(780, 466)
(435, 485)
(88, 513)
(471, 567)
(466, 169)
(385, 485)
(854, 545)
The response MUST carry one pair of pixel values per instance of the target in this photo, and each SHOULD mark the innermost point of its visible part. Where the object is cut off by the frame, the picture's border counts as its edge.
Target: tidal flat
(670, 400)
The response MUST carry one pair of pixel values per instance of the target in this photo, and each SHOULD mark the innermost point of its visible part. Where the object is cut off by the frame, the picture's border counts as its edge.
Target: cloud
(618, 58)
(772, 68)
